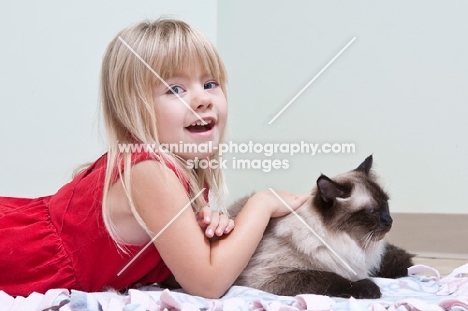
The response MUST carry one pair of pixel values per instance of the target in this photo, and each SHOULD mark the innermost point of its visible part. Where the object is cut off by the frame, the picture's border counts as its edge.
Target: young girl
(158, 79)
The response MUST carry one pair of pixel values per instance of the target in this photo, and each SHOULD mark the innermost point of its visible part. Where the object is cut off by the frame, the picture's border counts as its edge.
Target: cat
(351, 214)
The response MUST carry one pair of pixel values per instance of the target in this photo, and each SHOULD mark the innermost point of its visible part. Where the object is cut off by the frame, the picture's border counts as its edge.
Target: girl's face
(177, 124)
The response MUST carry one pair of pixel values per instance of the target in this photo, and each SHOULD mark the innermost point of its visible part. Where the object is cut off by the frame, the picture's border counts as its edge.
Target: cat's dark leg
(322, 283)
(395, 262)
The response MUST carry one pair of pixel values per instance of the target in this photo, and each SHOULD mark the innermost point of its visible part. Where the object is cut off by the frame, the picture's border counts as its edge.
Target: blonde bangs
(189, 51)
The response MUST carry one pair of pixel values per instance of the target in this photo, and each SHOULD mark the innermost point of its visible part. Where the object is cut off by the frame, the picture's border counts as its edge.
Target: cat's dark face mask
(354, 203)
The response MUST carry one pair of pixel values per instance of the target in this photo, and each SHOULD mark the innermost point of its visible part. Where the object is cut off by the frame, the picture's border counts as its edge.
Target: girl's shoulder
(137, 157)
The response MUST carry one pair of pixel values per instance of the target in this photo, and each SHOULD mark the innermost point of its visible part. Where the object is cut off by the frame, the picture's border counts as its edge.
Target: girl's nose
(200, 101)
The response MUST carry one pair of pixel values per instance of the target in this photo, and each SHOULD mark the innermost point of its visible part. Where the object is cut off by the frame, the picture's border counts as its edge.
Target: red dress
(60, 241)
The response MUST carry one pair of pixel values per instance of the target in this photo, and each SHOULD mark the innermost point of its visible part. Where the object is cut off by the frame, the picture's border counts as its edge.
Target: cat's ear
(365, 166)
(328, 189)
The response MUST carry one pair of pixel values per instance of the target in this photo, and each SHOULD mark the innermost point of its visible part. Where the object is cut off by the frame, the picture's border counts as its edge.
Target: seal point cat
(351, 214)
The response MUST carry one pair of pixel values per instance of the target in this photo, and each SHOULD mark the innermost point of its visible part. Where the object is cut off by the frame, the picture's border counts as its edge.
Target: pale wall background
(399, 91)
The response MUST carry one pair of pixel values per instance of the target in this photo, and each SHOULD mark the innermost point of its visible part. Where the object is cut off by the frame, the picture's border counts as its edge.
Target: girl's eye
(210, 85)
(175, 90)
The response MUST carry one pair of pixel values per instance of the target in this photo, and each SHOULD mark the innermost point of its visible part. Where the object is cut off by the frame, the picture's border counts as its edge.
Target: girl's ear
(328, 189)
(365, 166)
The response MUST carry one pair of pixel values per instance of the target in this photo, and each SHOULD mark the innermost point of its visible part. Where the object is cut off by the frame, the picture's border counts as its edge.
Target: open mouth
(198, 127)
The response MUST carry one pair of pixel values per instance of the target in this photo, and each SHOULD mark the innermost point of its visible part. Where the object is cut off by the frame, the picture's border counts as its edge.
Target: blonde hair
(169, 46)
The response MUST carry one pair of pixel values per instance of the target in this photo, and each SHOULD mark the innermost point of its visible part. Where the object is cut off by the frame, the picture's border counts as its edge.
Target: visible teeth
(201, 123)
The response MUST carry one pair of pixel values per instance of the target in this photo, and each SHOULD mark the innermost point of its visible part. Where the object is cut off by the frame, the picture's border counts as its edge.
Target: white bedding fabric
(422, 290)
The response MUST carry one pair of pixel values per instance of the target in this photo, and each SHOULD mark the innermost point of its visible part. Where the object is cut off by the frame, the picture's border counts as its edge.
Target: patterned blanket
(423, 289)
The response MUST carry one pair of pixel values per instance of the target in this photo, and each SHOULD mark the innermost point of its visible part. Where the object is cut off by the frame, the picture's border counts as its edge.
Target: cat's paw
(365, 289)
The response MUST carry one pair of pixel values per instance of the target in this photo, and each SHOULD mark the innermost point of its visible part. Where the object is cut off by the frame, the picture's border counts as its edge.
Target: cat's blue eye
(175, 90)
(210, 85)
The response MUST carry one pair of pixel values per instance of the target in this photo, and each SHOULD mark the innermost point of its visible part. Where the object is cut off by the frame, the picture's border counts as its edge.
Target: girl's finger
(204, 217)
(210, 230)
(229, 227)
(222, 225)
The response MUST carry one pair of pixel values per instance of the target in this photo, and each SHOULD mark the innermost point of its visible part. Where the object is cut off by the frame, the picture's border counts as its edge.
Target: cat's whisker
(364, 243)
(367, 240)
(371, 238)
(363, 239)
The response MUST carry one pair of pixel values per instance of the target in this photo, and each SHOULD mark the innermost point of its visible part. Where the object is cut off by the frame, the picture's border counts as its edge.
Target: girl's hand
(213, 222)
(277, 208)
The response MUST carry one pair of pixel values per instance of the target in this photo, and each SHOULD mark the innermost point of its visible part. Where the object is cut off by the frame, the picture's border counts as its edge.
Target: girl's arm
(200, 267)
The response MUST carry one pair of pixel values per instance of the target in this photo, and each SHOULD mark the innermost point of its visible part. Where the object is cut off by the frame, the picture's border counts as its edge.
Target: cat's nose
(386, 220)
